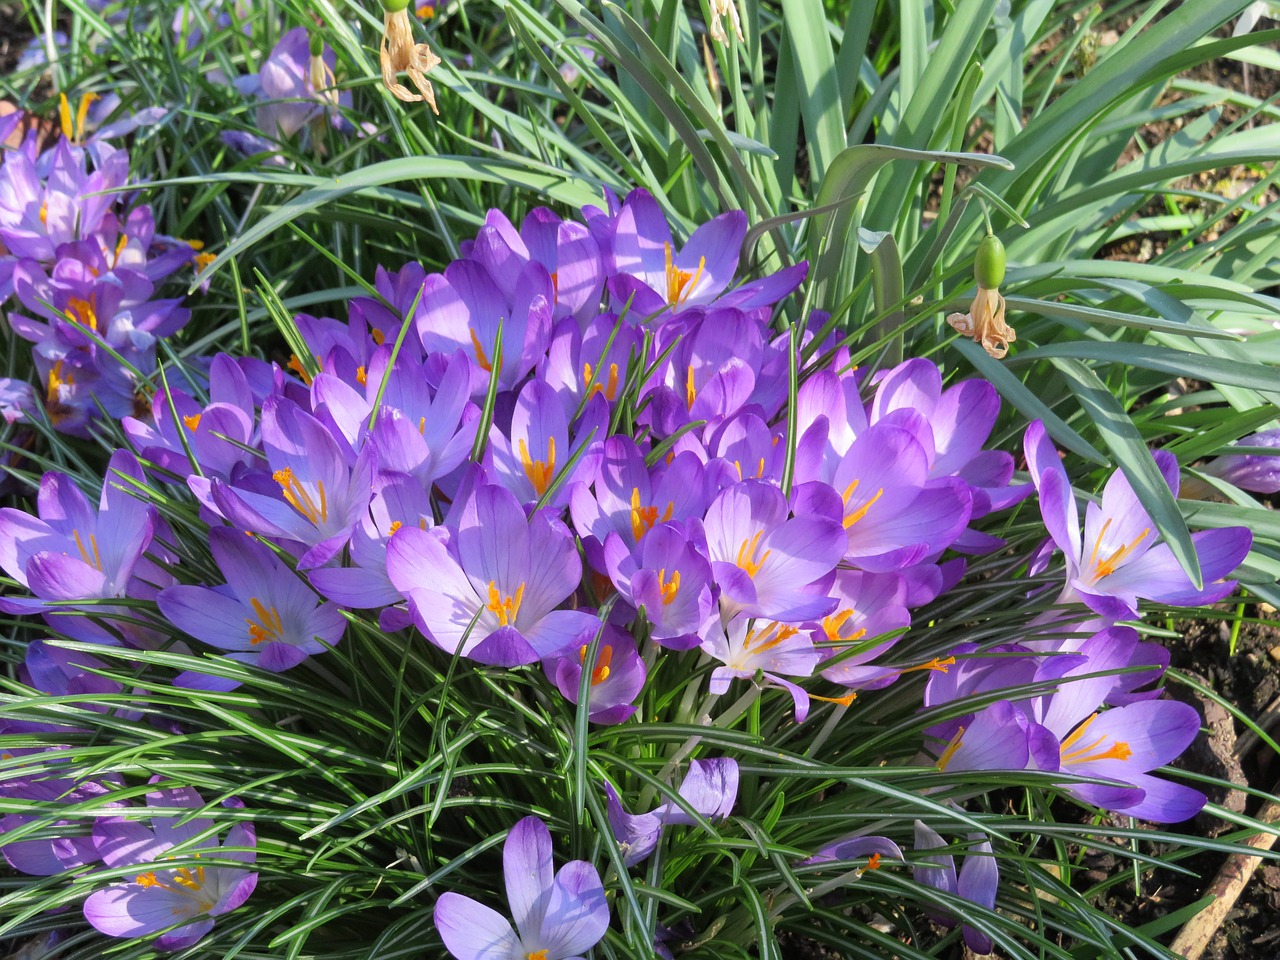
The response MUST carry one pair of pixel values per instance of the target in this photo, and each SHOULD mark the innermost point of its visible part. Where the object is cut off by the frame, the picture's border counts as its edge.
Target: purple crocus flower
(541, 444)
(710, 788)
(1120, 559)
(869, 605)
(1257, 472)
(171, 889)
(667, 578)
(489, 588)
(855, 848)
(976, 882)
(73, 552)
(746, 646)
(767, 563)
(47, 857)
(264, 613)
(589, 362)
(558, 914)
(616, 679)
(312, 496)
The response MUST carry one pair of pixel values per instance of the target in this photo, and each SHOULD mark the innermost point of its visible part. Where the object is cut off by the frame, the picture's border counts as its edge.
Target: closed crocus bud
(319, 77)
(985, 321)
(399, 52)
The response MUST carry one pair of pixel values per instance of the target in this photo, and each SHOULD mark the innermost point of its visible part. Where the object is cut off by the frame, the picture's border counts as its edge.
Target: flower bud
(988, 264)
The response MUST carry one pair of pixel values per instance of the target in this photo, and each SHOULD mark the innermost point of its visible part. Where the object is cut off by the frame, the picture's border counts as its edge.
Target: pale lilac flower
(558, 914)
(171, 890)
(710, 788)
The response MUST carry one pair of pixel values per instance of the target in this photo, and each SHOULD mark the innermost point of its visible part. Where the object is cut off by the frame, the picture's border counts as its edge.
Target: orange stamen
(506, 609)
(539, 472)
(300, 498)
(668, 588)
(747, 554)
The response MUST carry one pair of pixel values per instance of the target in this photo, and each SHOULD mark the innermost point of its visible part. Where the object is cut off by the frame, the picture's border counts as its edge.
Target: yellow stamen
(941, 665)
(668, 588)
(950, 752)
(204, 259)
(268, 626)
(82, 312)
(481, 357)
(196, 245)
(295, 365)
(1108, 566)
(643, 518)
(851, 518)
(690, 391)
(362, 376)
(44, 213)
(1119, 750)
(300, 498)
(83, 112)
(539, 472)
(873, 862)
(610, 386)
(96, 560)
(844, 701)
(747, 554)
(378, 337)
(769, 636)
(64, 115)
(681, 283)
(192, 422)
(506, 609)
(185, 881)
(603, 659)
(833, 624)
(536, 955)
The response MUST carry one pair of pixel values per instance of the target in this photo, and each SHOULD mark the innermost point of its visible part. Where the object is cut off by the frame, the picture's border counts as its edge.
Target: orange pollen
(747, 554)
(643, 518)
(378, 337)
(204, 259)
(362, 376)
(772, 635)
(96, 560)
(536, 955)
(681, 283)
(295, 365)
(83, 313)
(940, 664)
(539, 472)
(481, 357)
(851, 518)
(192, 422)
(603, 659)
(1117, 751)
(668, 588)
(1118, 556)
(844, 701)
(610, 386)
(300, 498)
(268, 626)
(873, 862)
(690, 391)
(950, 752)
(505, 609)
(395, 525)
(833, 624)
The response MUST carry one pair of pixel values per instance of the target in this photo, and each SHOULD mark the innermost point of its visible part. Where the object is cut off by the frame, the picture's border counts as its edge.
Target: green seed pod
(394, 6)
(988, 264)
(317, 44)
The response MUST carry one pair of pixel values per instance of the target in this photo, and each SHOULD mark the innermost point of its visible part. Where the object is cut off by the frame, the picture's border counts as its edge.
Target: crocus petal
(472, 931)
(577, 915)
(528, 869)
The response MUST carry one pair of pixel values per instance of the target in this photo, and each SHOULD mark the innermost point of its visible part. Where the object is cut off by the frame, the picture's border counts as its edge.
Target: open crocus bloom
(558, 914)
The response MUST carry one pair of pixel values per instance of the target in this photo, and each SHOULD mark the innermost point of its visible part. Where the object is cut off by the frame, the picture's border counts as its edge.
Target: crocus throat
(1119, 750)
(851, 518)
(759, 474)
(747, 554)
(539, 472)
(300, 499)
(833, 624)
(681, 283)
(536, 955)
(82, 312)
(668, 588)
(184, 881)
(268, 626)
(643, 518)
(506, 609)
(603, 659)
(767, 637)
(1108, 565)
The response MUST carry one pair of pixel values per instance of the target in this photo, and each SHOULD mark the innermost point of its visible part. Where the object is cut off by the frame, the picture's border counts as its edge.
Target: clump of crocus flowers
(572, 450)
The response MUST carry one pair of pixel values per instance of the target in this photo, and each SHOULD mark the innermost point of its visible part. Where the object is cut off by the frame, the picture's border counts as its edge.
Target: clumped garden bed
(527, 481)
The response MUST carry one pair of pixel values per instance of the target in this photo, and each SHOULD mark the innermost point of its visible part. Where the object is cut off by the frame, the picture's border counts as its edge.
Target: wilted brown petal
(398, 53)
(985, 323)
